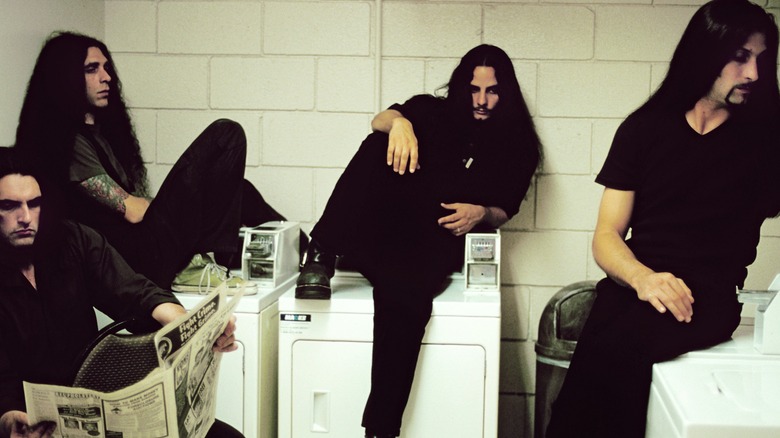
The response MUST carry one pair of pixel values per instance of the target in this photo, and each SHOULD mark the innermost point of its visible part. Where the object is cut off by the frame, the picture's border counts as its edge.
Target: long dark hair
(511, 112)
(55, 105)
(713, 36)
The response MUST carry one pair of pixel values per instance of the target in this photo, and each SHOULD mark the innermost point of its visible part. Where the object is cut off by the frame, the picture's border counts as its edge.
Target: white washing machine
(325, 364)
(247, 391)
(729, 390)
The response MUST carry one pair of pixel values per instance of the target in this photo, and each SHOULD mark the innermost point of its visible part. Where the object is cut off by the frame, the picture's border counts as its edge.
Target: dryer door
(331, 381)
(230, 389)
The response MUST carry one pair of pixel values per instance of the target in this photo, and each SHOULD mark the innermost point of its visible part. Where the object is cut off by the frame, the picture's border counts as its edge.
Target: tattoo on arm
(106, 191)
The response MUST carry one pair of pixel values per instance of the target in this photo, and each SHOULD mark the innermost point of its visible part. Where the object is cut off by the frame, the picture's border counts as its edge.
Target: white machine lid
(721, 398)
(352, 293)
(740, 346)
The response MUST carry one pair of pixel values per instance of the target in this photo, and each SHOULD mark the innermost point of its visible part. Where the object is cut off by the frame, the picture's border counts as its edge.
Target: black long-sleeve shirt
(43, 330)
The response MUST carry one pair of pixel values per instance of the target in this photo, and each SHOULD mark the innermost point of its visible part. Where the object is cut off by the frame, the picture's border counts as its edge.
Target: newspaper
(176, 399)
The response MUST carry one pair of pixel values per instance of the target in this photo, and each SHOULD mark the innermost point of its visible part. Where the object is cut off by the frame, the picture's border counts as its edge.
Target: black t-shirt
(476, 162)
(93, 156)
(699, 199)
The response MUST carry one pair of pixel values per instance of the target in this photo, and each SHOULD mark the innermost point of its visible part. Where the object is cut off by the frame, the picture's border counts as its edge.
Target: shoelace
(220, 271)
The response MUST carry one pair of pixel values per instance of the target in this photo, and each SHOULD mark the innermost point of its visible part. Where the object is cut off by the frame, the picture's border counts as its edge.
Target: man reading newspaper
(52, 273)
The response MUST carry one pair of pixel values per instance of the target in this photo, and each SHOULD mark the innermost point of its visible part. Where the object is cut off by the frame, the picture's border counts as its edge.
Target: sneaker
(203, 274)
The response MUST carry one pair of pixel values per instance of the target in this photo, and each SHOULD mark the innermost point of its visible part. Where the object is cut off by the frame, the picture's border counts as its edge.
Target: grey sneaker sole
(183, 288)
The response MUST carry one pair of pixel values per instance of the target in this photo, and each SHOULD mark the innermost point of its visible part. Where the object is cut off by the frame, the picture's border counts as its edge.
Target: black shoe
(314, 281)
(381, 435)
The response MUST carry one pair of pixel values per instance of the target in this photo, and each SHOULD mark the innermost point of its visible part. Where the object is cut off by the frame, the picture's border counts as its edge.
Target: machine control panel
(482, 267)
(271, 253)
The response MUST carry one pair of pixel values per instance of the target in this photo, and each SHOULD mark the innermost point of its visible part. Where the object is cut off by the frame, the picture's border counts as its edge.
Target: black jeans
(386, 224)
(221, 429)
(198, 208)
(607, 386)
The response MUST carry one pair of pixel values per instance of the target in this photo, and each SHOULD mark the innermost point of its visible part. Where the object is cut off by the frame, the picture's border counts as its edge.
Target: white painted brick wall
(345, 84)
(438, 72)
(401, 79)
(525, 218)
(603, 132)
(567, 145)
(528, 76)
(642, 33)
(611, 89)
(516, 415)
(263, 83)
(131, 26)
(518, 367)
(430, 29)
(541, 32)
(317, 28)
(287, 189)
(576, 202)
(515, 301)
(198, 27)
(164, 81)
(299, 76)
(312, 139)
(544, 257)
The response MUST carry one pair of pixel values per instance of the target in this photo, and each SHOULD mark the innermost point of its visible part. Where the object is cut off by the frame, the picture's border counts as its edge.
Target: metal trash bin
(559, 328)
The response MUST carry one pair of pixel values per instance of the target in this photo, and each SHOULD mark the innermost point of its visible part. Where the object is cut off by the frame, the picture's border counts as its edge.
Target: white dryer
(247, 391)
(729, 390)
(325, 363)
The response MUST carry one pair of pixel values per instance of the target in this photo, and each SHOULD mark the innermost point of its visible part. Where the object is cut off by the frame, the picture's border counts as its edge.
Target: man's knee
(228, 128)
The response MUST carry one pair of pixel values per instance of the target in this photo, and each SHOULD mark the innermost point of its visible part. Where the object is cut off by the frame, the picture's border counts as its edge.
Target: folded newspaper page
(176, 399)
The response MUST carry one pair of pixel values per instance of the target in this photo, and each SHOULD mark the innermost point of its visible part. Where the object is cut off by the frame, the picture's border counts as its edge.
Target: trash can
(559, 328)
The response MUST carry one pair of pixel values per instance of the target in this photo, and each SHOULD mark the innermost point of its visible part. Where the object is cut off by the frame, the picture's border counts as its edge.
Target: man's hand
(226, 341)
(14, 424)
(135, 208)
(665, 292)
(402, 146)
(465, 217)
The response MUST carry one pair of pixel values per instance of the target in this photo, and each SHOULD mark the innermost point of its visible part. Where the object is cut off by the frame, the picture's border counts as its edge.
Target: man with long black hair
(691, 174)
(52, 273)
(75, 120)
(478, 150)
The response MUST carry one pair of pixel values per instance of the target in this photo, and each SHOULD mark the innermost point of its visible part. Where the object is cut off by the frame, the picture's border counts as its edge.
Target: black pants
(607, 386)
(221, 429)
(198, 208)
(386, 224)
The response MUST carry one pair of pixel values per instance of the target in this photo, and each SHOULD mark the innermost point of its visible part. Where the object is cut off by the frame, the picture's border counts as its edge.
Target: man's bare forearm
(107, 192)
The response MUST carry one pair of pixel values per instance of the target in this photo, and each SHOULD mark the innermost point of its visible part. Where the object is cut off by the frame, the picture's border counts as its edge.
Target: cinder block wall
(300, 76)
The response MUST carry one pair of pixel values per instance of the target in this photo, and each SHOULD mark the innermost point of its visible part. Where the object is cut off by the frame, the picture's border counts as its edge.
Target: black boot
(314, 281)
(381, 435)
